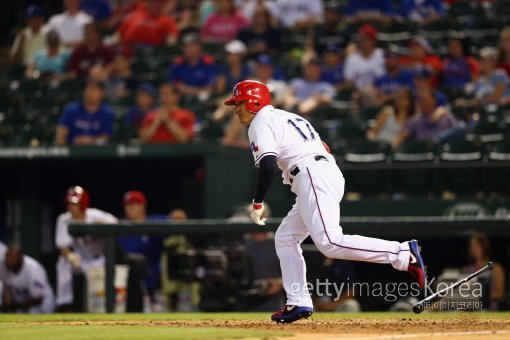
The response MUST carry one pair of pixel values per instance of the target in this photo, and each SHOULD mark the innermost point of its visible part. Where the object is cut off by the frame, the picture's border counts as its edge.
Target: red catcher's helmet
(254, 93)
(78, 195)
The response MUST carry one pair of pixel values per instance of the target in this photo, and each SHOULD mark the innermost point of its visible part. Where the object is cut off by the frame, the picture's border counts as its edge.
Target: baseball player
(77, 254)
(283, 139)
(26, 284)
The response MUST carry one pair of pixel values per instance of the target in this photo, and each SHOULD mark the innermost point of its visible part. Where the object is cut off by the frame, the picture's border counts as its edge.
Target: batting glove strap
(256, 214)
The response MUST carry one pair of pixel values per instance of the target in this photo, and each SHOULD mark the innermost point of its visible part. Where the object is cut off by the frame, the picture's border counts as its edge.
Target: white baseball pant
(319, 187)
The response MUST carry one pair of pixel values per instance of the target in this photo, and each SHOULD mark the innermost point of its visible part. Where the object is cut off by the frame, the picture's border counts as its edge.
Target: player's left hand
(256, 213)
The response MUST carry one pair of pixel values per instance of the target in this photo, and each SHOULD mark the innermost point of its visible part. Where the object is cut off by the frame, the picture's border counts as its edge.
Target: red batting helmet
(78, 195)
(254, 93)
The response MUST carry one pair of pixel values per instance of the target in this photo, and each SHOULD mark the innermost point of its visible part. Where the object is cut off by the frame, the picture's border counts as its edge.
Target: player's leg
(288, 239)
(64, 282)
(320, 191)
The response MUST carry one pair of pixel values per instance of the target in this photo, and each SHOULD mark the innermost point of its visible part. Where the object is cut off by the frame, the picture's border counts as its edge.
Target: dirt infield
(462, 326)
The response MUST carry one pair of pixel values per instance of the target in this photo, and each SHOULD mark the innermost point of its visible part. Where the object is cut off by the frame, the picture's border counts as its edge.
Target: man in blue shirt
(193, 72)
(86, 122)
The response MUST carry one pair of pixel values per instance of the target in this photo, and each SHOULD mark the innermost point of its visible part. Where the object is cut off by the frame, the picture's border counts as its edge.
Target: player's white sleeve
(38, 282)
(262, 139)
(62, 237)
(349, 73)
(99, 216)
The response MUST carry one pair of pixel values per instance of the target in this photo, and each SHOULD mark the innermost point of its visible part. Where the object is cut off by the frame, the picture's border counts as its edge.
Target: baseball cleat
(416, 267)
(290, 314)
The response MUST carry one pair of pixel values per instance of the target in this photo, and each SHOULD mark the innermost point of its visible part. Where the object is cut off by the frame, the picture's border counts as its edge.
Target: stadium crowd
(157, 71)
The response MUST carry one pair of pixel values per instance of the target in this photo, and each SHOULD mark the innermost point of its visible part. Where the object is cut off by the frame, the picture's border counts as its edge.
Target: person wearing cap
(30, 39)
(169, 123)
(194, 72)
(331, 32)
(333, 68)
(146, 95)
(149, 25)
(86, 122)
(375, 11)
(70, 24)
(135, 210)
(365, 65)
(422, 11)
(310, 92)
(77, 254)
(395, 78)
(422, 77)
(100, 10)
(421, 56)
(89, 54)
(493, 85)
(51, 61)
(235, 68)
(118, 76)
(224, 24)
(261, 37)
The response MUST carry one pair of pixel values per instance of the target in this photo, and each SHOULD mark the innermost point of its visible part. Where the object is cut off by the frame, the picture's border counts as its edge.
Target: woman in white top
(391, 119)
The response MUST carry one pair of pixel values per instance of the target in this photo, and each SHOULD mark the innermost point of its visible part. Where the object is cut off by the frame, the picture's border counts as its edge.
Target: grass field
(255, 326)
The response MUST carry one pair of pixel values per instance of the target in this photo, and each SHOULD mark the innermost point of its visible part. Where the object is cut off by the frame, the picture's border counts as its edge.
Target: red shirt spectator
(169, 123)
(225, 24)
(149, 26)
(91, 53)
(422, 58)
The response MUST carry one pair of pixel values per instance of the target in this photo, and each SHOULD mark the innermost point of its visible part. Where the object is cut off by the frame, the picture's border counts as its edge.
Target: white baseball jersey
(87, 247)
(31, 282)
(363, 71)
(285, 135)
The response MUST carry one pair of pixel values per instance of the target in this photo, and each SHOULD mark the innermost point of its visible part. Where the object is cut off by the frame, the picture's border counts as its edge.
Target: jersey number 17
(298, 121)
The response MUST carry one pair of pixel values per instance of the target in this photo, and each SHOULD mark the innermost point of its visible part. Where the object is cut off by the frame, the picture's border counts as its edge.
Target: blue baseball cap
(332, 47)
(148, 88)
(34, 11)
(265, 59)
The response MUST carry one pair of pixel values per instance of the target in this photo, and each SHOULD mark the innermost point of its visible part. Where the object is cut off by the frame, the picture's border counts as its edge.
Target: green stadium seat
(366, 152)
(486, 132)
(211, 131)
(396, 31)
(501, 151)
(14, 72)
(463, 150)
(416, 151)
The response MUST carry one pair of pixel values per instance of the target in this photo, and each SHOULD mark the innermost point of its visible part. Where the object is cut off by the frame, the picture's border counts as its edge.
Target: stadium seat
(463, 150)
(416, 151)
(211, 131)
(439, 29)
(396, 31)
(366, 152)
(501, 151)
(486, 132)
(14, 72)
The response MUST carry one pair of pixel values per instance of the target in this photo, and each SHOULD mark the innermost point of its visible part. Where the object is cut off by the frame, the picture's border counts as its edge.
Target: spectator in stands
(118, 76)
(135, 210)
(249, 9)
(235, 68)
(49, 62)
(149, 26)
(89, 54)
(86, 122)
(225, 24)
(70, 24)
(367, 64)
(333, 68)
(434, 123)
(391, 120)
(479, 248)
(504, 50)
(296, 14)
(422, 77)
(459, 69)
(493, 84)
(99, 10)
(421, 56)
(169, 123)
(30, 39)
(77, 254)
(331, 32)
(194, 72)
(395, 78)
(310, 92)
(422, 11)
(146, 95)
(122, 9)
(260, 37)
(370, 11)
(26, 287)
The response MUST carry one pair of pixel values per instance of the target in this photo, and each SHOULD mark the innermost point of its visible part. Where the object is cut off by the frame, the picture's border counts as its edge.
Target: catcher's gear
(255, 94)
(256, 214)
(78, 195)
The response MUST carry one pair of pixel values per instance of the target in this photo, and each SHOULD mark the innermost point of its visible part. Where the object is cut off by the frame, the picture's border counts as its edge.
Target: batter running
(282, 139)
